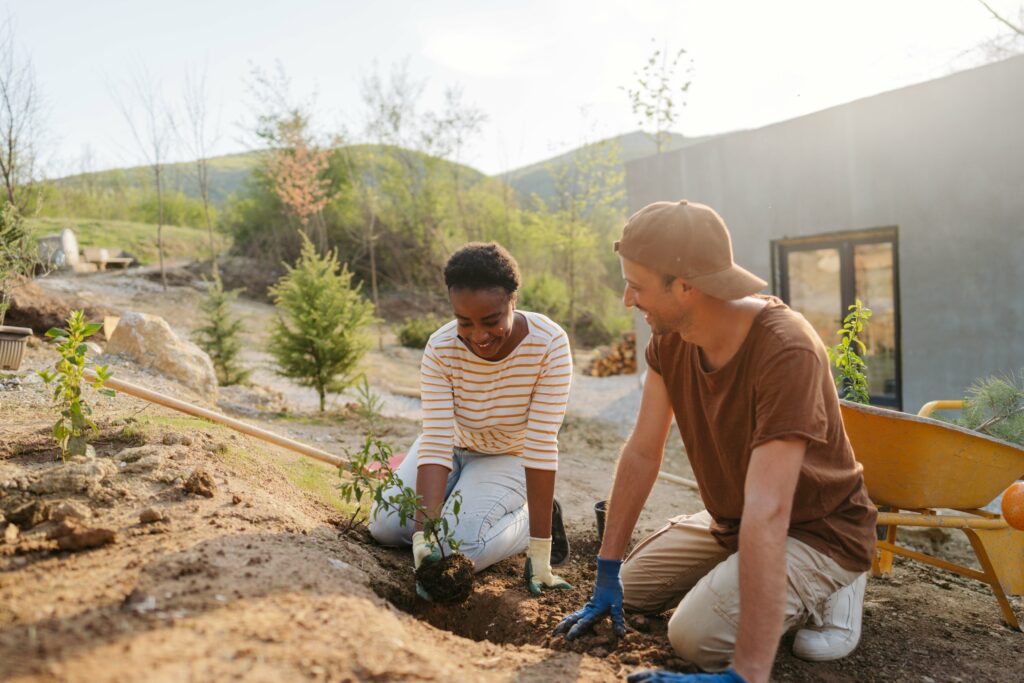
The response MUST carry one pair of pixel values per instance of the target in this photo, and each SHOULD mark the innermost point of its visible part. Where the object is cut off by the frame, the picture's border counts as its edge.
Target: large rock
(149, 341)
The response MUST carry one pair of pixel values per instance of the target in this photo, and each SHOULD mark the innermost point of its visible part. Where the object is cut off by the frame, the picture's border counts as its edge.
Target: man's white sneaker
(840, 630)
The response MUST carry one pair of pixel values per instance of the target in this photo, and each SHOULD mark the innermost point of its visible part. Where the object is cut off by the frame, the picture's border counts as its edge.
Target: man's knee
(703, 627)
(708, 640)
(640, 593)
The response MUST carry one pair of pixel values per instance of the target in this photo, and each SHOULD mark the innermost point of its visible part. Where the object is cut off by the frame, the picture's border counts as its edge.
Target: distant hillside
(536, 179)
(228, 173)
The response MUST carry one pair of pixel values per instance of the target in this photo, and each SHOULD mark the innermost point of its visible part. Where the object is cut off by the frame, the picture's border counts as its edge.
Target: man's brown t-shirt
(777, 385)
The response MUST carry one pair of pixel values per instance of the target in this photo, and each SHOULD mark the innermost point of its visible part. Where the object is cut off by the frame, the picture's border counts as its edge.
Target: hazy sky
(529, 65)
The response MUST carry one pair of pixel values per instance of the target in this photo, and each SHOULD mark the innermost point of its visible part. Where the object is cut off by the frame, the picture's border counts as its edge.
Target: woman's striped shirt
(514, 405)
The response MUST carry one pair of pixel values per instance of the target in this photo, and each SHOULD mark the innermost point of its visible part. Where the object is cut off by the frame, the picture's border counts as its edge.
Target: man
(789, 530)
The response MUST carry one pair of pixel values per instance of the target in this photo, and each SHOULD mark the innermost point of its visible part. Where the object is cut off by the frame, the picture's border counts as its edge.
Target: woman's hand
(538, 573)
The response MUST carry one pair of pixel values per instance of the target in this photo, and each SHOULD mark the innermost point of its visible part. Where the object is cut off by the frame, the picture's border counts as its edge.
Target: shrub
(415, 332)
(546, 294)
(219, 336)
(995, 406)
(72, 425)
(318, 337)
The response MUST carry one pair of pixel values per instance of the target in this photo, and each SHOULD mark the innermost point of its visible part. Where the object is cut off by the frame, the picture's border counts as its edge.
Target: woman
(494, 384)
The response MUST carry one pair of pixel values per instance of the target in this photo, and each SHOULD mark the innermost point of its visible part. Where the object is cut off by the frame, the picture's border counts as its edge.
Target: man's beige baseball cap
(689, 241)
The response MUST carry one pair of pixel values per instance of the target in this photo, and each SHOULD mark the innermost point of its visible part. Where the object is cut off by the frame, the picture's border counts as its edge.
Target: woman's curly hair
(482, 265)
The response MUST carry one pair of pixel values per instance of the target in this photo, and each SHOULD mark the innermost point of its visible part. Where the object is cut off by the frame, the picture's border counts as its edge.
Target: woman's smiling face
(485, 318)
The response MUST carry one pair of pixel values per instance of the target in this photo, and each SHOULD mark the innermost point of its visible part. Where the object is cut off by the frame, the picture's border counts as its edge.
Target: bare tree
(152, 126)
(20, 121)
(658, 91)
(1010, 42)
(199, 139)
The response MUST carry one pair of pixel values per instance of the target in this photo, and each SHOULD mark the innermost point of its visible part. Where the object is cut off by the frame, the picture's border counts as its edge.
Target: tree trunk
(160, 226)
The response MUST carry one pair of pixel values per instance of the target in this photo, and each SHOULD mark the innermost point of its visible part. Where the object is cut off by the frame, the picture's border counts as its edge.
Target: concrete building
(912, 200)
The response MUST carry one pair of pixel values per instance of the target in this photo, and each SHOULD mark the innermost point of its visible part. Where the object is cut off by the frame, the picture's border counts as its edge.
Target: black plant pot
(600, 507)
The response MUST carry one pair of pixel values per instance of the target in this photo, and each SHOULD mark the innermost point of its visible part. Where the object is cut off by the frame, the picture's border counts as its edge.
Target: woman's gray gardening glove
(423, 551)
(538, 567)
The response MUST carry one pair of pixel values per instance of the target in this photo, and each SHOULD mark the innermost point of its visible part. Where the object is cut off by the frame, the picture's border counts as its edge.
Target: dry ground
(258, 582)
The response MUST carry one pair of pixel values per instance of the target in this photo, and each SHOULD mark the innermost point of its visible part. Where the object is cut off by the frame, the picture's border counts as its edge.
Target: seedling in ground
(71, 428)
(370, 476)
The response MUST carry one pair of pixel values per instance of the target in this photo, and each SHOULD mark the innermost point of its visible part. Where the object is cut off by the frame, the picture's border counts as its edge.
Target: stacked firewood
(620, 359)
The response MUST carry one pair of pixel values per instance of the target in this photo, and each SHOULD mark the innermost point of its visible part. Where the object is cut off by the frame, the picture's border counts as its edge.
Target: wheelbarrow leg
(992, 579)
(881, 564)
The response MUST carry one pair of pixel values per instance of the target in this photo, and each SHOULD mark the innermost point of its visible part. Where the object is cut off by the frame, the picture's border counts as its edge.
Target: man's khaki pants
(682, 564)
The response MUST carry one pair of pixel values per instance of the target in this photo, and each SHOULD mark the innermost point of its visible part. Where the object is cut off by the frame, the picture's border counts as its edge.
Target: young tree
(588, 190)
(318, 336)
(200, 139)
(151, 126)
(658, 91)
(297, 161)
(20, 121)
(219, 335)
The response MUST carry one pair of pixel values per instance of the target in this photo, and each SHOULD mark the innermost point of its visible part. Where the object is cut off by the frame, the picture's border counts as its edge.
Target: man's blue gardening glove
(538, 573)
(423, 551)
(652, 676)
(607, 599)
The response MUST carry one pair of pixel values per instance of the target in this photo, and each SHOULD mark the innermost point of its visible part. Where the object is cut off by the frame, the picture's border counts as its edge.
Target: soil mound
(39, 309)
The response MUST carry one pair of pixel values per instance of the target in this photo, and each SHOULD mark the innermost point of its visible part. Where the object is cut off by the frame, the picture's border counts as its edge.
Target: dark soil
(449, 581)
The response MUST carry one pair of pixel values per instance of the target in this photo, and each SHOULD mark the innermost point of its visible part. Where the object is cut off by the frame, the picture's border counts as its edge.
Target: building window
(821, 276)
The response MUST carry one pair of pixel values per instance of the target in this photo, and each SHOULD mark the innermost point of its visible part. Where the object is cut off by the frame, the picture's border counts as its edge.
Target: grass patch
(318, 479)
(138, 239)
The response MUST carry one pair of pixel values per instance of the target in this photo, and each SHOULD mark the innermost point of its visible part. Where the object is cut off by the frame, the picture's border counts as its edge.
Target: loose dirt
(262, 581)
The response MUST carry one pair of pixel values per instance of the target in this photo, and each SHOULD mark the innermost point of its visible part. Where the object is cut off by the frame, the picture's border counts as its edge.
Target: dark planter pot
(600, 507)
(12, 346)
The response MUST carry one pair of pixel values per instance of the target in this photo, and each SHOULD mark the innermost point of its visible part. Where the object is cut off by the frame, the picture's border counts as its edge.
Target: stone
(201, 483)
(69, 510)
(151, 515)
(150, 342)
(11, 534)
(30, 514)
(73, 477)
(82, 539)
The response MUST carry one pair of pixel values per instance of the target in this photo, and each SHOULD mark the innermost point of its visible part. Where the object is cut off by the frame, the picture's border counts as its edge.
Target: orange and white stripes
(514, 406)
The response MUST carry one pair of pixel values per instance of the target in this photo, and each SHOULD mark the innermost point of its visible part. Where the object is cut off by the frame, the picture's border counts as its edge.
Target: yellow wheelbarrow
(917, 466)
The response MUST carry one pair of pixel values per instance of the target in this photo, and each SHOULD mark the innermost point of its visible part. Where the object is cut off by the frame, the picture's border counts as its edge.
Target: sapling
(368, 404)
(847, 356)
(369, 475)
(72, 426)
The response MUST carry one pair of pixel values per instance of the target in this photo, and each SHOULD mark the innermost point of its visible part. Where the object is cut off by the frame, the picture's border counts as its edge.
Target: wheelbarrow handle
(928, 408)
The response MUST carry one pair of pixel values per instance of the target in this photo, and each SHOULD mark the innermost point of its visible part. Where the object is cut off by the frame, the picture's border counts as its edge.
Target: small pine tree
(219, 337)
(318, 336)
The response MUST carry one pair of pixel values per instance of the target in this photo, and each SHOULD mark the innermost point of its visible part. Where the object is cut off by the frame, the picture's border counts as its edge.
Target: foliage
(368, 404)
(18, 256)
(219, 335)
(995, 406)
(851, 379)
(70, 429)
(657, 93)
(368, 474)
(415, 332)
(545, 294)
(318, 336)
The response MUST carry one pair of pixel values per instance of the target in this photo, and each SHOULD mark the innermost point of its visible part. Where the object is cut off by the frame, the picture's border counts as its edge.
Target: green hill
(228, 173)
(536, 178)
